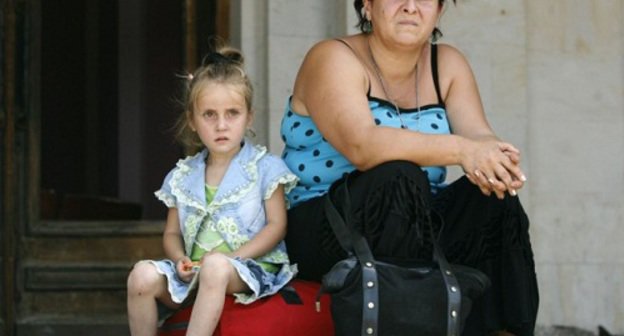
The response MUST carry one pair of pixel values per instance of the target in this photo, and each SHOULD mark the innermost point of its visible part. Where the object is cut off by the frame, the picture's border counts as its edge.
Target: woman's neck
(394, 63)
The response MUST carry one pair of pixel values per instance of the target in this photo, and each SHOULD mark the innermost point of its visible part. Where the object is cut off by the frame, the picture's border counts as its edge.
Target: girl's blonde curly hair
(225, 65)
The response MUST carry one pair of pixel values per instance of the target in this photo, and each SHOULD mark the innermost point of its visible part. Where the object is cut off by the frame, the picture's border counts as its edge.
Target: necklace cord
(386, 92)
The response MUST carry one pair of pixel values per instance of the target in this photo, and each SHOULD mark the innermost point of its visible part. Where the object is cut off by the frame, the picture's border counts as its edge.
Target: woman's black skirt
(393, 207)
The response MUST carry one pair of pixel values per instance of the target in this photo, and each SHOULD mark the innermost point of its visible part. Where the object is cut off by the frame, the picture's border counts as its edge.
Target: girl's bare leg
(145, 286)
(217, 278)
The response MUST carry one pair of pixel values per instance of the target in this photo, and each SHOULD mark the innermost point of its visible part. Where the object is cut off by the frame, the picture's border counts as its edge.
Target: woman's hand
(493, 166)
(184, 272)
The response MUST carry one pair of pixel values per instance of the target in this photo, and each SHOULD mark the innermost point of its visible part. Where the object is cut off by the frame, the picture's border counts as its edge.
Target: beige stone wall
(576, 127)
(551, 75)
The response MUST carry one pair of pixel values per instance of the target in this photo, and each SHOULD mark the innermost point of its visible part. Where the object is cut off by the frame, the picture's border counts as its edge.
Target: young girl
(227, 211)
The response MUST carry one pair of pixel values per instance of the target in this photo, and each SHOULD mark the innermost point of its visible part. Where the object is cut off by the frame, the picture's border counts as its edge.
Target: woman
(390, 109)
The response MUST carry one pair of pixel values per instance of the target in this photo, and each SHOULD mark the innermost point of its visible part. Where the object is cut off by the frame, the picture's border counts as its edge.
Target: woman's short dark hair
(362, 22)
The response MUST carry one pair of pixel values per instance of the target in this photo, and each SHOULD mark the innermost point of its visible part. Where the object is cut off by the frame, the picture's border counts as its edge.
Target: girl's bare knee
(143, 279)
(216, 269)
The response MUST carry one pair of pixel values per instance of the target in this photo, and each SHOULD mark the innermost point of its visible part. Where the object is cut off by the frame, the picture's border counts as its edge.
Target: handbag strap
(351, 240)
(370, 293)
(453, 291)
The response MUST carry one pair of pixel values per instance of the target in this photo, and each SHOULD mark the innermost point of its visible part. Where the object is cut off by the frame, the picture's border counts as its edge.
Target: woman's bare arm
(493, 159)
(332, 86)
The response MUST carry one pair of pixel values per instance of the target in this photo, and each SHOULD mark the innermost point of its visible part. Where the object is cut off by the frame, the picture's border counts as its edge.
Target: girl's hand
(184, 271)
(494, 167)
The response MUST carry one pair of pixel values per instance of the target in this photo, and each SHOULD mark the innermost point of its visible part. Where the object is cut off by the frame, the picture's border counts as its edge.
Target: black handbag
(389, 297)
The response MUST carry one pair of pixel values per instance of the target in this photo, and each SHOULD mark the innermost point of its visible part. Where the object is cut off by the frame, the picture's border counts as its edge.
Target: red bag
(271, 316)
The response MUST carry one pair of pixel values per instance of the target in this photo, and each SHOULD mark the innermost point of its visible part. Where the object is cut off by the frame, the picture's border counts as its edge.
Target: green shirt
(209, 239)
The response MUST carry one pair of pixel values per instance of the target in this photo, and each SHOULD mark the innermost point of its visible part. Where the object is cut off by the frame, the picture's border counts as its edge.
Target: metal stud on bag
(371, 283)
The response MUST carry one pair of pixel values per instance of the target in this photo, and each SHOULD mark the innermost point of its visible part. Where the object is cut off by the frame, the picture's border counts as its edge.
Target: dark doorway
(110, 76)
(87, 99)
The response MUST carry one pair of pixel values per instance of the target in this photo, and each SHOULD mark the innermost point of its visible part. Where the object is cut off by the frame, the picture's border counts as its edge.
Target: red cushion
(270, 316)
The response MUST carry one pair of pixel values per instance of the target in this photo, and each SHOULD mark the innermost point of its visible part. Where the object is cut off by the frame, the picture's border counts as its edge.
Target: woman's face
(406, 22)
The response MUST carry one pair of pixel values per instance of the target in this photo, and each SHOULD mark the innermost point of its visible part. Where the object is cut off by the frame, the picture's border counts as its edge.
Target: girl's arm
(272, 233)
(173, 244)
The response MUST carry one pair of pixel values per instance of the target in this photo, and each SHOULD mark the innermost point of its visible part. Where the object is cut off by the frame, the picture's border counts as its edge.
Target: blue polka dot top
(318, 164)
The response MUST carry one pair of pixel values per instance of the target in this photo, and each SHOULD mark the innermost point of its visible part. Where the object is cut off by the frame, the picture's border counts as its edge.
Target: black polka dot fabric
(318, 164)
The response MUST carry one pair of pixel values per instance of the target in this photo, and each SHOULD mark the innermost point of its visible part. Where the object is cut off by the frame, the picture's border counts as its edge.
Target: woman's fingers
(497, 180)
(496, 169)
(504, 146)
(498, 186)
(481, 180)
(470, 178)
(474, 180)
(517, 176)
(485, 191)
(506, 170)
(507, 181)
(513, 156)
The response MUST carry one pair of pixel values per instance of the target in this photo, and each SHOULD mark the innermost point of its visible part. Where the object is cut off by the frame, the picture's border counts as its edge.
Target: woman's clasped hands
(493, 166)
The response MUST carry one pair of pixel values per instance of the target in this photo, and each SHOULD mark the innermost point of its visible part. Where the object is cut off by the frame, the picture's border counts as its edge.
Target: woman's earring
(367, 26)
(436, 35)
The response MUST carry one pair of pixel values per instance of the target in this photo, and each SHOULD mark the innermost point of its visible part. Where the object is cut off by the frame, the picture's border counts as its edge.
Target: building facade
(551, 76)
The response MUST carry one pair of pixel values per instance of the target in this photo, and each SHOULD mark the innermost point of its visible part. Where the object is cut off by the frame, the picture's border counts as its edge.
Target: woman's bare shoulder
(450, 54)
(335, 50)
(330, 62)
(452, 65)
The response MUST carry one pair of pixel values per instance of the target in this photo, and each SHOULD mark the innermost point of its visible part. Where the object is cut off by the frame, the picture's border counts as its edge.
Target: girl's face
(220, 118)
(406, 22)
